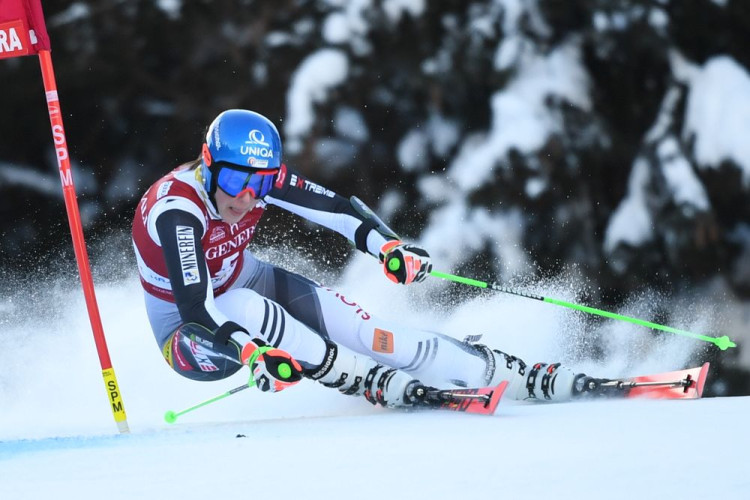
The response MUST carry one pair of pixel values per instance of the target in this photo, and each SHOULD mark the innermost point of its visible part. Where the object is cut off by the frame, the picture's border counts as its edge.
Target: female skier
(214, 307)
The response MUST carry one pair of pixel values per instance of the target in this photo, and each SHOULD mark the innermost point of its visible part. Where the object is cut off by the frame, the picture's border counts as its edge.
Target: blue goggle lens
(234, 182)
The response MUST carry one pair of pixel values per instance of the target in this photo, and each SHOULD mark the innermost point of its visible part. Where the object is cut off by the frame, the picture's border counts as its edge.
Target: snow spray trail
(50, 383)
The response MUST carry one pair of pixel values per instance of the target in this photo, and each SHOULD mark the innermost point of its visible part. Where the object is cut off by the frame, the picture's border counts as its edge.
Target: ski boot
(359, 375)
(539, 382)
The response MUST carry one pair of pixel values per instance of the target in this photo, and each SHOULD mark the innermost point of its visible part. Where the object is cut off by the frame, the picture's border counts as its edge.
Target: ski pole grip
(394, 264)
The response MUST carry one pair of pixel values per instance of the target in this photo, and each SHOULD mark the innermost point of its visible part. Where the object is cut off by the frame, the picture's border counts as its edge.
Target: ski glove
(404, 263)
(272, 369)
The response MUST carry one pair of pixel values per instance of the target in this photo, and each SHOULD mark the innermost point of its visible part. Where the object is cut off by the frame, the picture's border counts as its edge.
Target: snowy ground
(622, 449)
(58, 438)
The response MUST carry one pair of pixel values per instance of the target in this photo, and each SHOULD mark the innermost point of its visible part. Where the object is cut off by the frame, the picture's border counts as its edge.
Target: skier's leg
(295, 293)
(325, 361)
(438, 359)
(283, 309)
(195, 361)
(268, 320)
(179, 347)
(537, 382)
(433, 358)
(357, 374)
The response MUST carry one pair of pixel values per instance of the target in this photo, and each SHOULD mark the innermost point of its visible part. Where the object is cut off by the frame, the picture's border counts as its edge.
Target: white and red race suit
(196, 269)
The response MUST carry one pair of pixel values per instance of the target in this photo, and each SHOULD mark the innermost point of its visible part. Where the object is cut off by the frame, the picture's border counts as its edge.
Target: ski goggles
(236, 181)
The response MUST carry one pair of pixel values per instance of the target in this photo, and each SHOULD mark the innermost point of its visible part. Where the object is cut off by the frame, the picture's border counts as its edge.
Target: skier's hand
(404, 263)
(272, 369)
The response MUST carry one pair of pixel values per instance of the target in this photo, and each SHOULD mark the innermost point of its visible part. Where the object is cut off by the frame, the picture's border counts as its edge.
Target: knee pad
(195, 361)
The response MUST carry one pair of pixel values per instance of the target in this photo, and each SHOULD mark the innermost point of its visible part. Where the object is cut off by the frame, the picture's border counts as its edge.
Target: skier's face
(233, 208)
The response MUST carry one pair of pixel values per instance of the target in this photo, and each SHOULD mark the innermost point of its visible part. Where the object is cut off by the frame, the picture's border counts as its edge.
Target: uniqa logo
(256, 151)
(256, 137)
(256, 145)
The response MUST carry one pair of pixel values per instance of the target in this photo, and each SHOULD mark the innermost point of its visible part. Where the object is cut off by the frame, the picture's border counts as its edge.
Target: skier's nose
(244, 198)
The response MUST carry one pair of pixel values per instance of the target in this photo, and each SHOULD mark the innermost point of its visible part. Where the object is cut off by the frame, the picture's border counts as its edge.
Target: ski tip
(702, 376)
(497, 393)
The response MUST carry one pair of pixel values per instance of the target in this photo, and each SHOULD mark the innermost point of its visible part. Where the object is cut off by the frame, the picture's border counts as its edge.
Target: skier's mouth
(236, 211)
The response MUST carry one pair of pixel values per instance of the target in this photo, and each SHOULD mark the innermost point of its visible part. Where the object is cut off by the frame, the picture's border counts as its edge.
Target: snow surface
(614, 450)
(58, 438)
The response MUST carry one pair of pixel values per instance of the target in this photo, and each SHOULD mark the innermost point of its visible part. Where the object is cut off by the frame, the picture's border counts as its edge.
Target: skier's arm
(349, 217)
(354, 220)
(180, 235)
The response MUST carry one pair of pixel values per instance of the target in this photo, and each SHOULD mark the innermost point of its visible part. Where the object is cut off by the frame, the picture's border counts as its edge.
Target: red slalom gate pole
(79, 244)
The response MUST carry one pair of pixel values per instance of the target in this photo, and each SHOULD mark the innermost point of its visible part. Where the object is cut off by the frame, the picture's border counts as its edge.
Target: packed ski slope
(58, 439)
(624, 449)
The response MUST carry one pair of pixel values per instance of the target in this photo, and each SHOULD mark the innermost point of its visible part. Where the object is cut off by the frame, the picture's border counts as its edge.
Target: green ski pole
(171, 416)
(722, 343)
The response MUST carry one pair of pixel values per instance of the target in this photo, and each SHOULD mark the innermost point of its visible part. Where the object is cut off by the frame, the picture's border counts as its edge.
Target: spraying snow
(56, 430)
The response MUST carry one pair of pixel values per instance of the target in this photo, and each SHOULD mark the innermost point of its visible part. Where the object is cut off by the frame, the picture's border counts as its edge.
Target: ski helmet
(241, 140)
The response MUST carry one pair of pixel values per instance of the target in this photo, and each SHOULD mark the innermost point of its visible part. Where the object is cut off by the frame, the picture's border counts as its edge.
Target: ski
(680, 384)
(482, 400)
